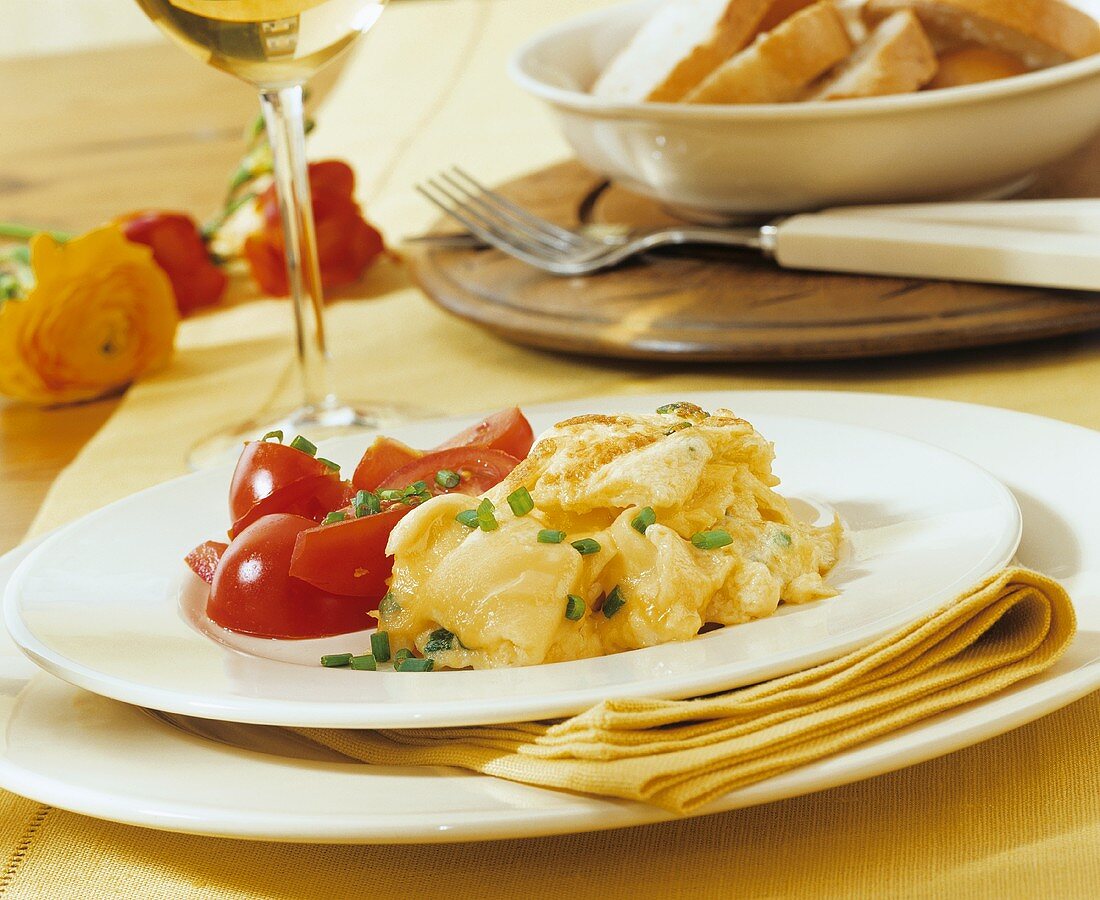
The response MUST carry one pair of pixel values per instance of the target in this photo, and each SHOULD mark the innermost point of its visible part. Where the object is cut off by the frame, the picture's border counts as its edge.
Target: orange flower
(346, 243)
(100, 314)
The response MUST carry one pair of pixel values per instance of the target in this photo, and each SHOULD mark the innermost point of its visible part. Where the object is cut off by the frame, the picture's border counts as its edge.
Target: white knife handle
(1074, 215)
(877, 245)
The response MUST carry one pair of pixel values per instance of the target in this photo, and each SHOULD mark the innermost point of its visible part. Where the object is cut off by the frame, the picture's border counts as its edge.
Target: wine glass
(276, 45)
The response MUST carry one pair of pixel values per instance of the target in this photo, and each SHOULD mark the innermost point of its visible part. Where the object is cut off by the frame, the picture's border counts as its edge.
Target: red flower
(179, 250)
(346, 242)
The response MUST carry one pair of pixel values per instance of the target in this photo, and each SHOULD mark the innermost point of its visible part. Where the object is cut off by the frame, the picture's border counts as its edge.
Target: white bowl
(981, 140)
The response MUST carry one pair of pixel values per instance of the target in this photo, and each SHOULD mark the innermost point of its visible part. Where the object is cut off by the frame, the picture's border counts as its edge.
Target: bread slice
(679, 46)
(896, 58)
(781, 64)
(1039, 32)
(973, 63)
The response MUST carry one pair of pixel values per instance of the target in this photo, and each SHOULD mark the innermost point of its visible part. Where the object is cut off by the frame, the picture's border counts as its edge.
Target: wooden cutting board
(716, 304)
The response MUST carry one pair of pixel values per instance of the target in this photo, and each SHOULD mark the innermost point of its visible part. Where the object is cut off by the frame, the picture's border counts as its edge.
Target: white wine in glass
(277, 45)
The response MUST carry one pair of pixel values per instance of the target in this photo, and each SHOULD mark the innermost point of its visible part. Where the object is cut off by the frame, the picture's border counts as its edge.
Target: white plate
(77, 751)
(99, 603)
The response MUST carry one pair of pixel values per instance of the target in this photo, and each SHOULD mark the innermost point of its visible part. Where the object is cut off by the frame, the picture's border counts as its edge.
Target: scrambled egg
(487, 599)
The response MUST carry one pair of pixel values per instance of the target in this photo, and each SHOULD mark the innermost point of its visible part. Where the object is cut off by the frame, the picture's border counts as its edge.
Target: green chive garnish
(549, 536)
(414, 665)
(613, 603)
(328, 462)
(276, 434)
(417, 487)
(366, 663)
(333, 517)
(306, 446)
(711, 540)
(586, 546)
(445, 478)
(335, 660)
(783, 539)
(388, 605)
(467, 517)
(367, 503)
(574, 607)
(643, 520)
(380, 645)
(402, 654)
(520, 501)
(670, 408)
(391, 495)
(485, 519)
(440, 639)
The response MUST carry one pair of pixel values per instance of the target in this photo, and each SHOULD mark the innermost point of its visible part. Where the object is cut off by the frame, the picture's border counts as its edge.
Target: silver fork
(509, 227)
(1048, 243)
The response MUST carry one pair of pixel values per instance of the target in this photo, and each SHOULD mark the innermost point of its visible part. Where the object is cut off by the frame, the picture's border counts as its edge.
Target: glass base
(318, 423)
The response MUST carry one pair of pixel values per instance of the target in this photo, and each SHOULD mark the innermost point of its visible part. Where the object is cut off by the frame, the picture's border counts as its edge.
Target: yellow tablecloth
(1017, 816)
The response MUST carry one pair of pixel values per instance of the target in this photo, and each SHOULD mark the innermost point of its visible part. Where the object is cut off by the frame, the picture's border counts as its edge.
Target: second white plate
(98, 604)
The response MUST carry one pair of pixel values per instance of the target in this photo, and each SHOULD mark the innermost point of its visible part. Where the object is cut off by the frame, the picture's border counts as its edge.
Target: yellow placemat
(1017, 816)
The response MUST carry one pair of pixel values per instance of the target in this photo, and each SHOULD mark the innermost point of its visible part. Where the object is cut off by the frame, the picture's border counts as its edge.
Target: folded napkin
(680, 754)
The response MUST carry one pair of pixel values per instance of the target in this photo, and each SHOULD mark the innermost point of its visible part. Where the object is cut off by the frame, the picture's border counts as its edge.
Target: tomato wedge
(349, 557)
(264, 469)
(507, 431)
(477, 468)
(254, 593)
(203, 560)
(313, 497)
(385, 455)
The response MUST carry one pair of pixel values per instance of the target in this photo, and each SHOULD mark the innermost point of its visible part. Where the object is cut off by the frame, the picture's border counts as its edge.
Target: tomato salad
(307, 551)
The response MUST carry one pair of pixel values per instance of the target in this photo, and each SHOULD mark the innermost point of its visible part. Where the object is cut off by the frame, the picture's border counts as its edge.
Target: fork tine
(481, 227)
(518, 211)
(507, 221)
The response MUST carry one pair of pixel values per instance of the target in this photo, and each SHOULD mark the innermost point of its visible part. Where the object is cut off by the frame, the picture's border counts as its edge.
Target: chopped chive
(391, 495)
(711, 540)
(417, 487)
(520, 501)
(643, 520)
(380, 645)
(306, 446)
(365, 663)
(574, 607)
(388, 605)
(440, 639)
(402, 654)
(366, 504)
(783, 539)
(614, 602)
(328, 462)
(467, 517)
(336, 516)
(485, 519)
(276, 434)
(670, 408)
(445, 478)
(586, 546)
(549, 536)
(414, 665)
(335, 660)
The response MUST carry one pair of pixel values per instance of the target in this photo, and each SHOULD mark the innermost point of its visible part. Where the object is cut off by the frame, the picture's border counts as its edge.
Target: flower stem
(25, 232)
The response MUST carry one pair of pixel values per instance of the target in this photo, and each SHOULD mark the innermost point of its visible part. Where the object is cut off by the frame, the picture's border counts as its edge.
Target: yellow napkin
(680, 754)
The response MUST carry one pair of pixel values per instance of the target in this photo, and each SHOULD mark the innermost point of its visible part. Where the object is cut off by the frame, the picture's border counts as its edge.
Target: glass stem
(283, 117)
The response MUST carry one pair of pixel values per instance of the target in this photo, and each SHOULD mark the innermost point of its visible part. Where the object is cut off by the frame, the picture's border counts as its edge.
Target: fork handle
(877, 245)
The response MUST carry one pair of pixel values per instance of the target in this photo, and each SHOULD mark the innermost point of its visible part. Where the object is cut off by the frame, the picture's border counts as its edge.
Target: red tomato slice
(203, 560)
(478, 468)
(507, 431)
(349, 557)
(382, 457)
(254, 593)
(313, 497)
(264, 469)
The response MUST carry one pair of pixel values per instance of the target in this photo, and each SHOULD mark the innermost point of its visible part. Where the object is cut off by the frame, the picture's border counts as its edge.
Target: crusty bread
(679, 46)
(1039, 32)
(896, 58)
(780, 65)
(972, 63)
